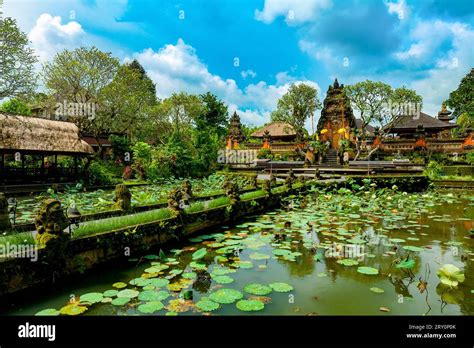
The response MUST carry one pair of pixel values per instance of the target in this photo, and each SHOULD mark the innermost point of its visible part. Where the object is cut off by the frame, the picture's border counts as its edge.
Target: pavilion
(25, 140)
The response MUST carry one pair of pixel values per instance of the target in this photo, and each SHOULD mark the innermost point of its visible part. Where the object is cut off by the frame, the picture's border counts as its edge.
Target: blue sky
(248, 52)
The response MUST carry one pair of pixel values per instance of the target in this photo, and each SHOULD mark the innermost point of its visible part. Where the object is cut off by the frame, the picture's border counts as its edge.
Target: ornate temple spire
(336, 83)
(444, 114)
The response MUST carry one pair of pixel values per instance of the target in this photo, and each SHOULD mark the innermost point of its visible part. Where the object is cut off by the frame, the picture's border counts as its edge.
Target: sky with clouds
(248, 52)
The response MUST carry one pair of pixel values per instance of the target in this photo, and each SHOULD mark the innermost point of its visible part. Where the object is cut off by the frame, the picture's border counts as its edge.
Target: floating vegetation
(257, 289)
(207, 305)
(368, 270)
(281, 287)
(225, 296)
(249, 305)
(450, 275)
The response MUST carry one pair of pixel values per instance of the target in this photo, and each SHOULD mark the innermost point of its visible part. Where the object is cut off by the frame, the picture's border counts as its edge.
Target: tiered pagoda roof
(336, 106)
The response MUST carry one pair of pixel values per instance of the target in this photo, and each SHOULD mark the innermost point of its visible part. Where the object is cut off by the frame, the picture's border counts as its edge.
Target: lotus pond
(377, 252)
(102, 200)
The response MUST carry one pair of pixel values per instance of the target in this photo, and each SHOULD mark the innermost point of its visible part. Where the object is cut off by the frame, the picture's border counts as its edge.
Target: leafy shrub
(470, 158)
(433, 170)
(100, 173)
(265, 153)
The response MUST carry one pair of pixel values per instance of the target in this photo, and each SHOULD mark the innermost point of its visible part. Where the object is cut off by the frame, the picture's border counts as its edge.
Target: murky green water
(290, 245)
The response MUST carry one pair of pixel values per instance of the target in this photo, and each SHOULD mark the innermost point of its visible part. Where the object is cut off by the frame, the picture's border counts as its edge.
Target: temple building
(235, 134)
(337, 119)
(409, 126)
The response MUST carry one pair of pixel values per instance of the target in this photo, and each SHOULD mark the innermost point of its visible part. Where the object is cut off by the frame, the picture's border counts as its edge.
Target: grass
(218, 202)
(279, 189)
(118, 222)
(18, 238)
(195, 207)
(252, 195)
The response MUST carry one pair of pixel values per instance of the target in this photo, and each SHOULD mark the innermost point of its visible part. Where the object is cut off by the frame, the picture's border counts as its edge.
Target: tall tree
(134, 64)
(79, 76)
(125, 103)
(17, 75)
(370, 98)
(296, 106)
(461, 101)
(214, 113)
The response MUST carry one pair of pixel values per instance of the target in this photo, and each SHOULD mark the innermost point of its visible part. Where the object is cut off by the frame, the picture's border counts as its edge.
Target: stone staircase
(330, 158)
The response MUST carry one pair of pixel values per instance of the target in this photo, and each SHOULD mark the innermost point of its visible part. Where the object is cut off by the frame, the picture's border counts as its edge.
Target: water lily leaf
(450, 275)
(412, 248)
(119, 285)
(257, 289)
(244, 264)
(150, 307)
(110, 293)
(199, 254)
(92, 297)
(397, 240)
(73, 309)
(198, 266)
(225, 296)
(368, 270)
(259, 256)
(377, 290)
(223, 279)
(120, 301)
(159, 282)
(128, 293)
(281, 287)
(249, 305)
(140, 281)
(348, 262)
(207, 305)
(149, 295)
(190, 275)
(407, 264)
(48, 312)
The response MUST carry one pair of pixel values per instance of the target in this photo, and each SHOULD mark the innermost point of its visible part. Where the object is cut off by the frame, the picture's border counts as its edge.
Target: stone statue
(290, 179)
(123, 198)
(174, 199)
(50, 221)
(231, 190)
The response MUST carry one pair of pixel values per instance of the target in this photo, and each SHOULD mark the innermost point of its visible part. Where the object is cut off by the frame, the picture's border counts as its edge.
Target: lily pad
(128, 293)
(450, 275)
(159, 282)
(249, 305)
(368, 270)
(48, 312)
(257, 289)
(407, 264)
(226, 296)
(207, 305)
(377, 290)
(110, 293)
(92, 297)
(223, 279)
(281, 287)
(199, 254)
(73, 309)
(119, 285)
(259, 256)
(150, 307)
(348, 262)
(412, 248)
(120, 301)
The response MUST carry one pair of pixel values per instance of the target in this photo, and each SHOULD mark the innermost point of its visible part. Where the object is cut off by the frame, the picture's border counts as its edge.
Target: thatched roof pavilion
(276, 131)
(42, 136)
(408, 125)
(29, 136)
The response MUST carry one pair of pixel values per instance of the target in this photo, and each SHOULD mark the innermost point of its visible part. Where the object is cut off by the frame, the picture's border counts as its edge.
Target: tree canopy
(461, 101)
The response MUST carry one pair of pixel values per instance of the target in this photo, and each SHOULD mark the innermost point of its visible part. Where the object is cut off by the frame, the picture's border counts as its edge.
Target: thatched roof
(276, 130)
(23, 133)
(368, 128)
(410, 123)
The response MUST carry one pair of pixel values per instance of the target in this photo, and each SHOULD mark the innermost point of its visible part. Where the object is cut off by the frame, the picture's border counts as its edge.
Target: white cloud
(399, 8)
(247, 73)
(176, 68)
(294, 11)
(50, 36)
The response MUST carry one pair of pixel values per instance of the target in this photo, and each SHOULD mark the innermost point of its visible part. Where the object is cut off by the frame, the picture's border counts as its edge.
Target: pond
(376, 252)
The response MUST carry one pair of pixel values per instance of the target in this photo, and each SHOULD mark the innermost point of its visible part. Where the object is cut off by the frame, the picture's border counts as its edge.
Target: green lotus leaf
(198, 266)
(159, 282)
(207, 305)
(249, 305)
(73, 309)
(281, 252)
(450, 275)
(222, 279)
(120, 301)
(48, 312)
(149, 296)
(407, 264)
(150, 307)
(110, 293)
(377, 290)
(412, 248)
(119, 285)
(199, 254)
(190, 275)
(225, 296)
(245, 264)
(397, 240)
(92, 297)
(140, 281)
(348, 262)
(257, 289)
(128, 293)
(368, 270)
(281, 287)
(259, 256)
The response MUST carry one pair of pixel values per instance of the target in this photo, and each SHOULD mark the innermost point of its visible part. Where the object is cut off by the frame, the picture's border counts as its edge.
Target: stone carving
(123, 198)
(50, 221)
